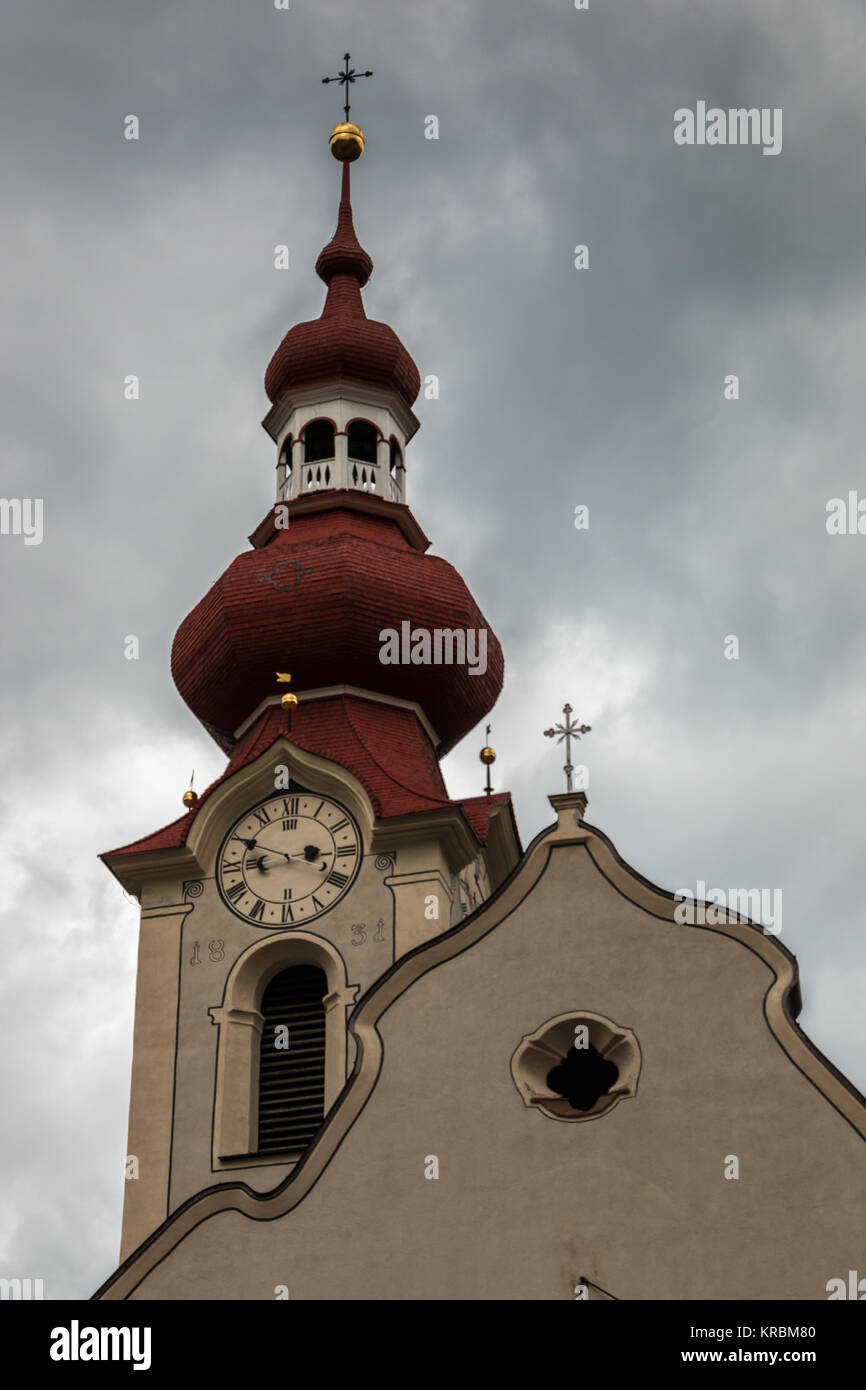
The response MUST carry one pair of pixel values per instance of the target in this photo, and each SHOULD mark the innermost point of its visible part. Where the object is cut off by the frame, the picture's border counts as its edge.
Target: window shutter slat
(292, 1080)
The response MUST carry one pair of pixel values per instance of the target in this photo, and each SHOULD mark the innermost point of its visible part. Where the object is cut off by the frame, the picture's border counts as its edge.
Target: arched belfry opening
(318, 441)
(284, 469)
(396, 471)
(363, 441)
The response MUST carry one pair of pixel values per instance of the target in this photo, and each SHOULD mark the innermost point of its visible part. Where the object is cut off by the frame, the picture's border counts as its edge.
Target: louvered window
(292, 1065)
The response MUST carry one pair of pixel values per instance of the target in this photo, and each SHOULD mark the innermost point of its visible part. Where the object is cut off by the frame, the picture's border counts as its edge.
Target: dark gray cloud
(558, 387)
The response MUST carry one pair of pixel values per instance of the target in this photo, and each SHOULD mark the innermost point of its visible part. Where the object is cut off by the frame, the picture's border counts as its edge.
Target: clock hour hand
(310, 853)
(269, 860)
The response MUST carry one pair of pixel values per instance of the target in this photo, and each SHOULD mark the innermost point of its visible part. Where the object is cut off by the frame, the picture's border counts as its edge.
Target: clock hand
(263, 867)
(310, 853)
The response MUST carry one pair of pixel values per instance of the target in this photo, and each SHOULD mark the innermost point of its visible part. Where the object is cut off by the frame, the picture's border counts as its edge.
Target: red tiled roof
(343, 344)
(384, 746)
(478, 810)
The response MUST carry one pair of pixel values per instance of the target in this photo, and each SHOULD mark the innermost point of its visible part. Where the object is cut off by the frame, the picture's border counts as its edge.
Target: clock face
(289, 859)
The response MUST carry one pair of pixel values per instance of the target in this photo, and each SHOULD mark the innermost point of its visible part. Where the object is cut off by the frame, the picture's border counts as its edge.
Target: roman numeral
(262, 817)
(339, 825)
(317, 905)
(291, 823)
(236, 891)
(290, 806)
(337, 879)
(318, 809)
(288, 914)
(257, 911)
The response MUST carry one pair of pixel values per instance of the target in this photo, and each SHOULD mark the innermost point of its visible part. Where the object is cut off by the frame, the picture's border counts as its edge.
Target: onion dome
(343, 344)
(316, 600)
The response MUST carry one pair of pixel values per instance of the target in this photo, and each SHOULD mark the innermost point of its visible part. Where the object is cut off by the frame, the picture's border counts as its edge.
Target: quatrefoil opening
(577, 1066)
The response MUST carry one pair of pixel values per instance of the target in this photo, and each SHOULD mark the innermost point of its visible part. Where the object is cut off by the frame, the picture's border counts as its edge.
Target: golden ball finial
(487, 755)
(189, 799)
(289, 701)
(347, 141)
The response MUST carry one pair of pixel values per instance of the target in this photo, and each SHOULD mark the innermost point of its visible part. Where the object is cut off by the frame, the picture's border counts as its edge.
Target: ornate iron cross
(567, 731)
(345, 78)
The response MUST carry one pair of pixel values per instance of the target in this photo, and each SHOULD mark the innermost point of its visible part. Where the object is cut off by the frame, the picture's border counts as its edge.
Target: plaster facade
(524, 1206)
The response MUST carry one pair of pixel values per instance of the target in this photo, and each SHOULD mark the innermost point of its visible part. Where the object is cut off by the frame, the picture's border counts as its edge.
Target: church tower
(382, 1053)
(329, 847)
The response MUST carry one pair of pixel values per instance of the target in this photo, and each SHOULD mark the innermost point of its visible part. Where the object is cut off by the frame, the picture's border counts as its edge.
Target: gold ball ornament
(289, 701)
(189, 799)
(487, 755)
(347, 141)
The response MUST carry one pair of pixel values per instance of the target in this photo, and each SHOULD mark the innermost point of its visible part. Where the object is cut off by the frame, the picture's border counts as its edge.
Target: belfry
(381, 1051)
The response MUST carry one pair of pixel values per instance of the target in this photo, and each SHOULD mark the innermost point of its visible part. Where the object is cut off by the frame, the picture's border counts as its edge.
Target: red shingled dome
(343, 344)
(313, 602)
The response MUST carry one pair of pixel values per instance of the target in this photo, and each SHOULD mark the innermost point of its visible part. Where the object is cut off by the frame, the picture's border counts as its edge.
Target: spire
(344, 264)
(343, 344)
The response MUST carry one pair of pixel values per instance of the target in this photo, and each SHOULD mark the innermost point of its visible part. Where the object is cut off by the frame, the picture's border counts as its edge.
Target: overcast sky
(559, 387)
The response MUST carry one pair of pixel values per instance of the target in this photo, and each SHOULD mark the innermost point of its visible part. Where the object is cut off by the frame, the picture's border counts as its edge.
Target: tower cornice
(317, 395)
(333, 499)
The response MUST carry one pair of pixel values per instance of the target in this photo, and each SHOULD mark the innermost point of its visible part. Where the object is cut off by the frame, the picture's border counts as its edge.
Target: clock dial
(289, 859)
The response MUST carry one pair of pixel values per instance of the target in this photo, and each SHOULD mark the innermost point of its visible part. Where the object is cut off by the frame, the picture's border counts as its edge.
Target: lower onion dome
(319, 601)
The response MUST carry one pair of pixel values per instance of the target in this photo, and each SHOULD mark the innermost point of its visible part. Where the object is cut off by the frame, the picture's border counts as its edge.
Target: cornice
(138, 871)
(340, 389)
(447, 825)
(345, 499)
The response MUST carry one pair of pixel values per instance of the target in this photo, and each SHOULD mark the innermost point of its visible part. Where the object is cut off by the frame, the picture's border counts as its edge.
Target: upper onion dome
(343, 344)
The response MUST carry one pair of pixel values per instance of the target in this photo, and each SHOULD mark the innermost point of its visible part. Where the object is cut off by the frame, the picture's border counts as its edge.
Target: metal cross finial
(567, 731)
(345, 78)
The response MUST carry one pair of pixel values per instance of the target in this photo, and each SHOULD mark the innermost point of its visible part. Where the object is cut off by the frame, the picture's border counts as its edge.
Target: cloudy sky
(558, 387)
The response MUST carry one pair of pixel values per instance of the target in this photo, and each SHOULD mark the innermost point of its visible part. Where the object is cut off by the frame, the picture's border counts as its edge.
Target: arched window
(318, 441)
(246, 1062)
(396, 459)
(292, 1059)
(286, 455)
(363, 439)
